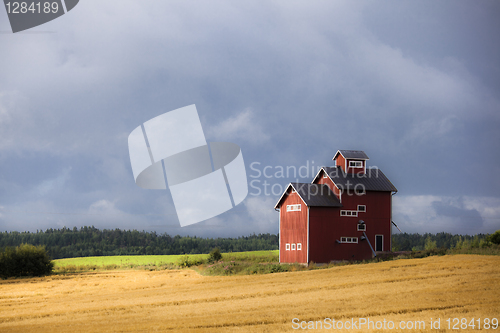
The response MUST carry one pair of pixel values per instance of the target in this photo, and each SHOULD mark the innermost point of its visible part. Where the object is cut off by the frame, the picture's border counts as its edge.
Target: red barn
(344, 214)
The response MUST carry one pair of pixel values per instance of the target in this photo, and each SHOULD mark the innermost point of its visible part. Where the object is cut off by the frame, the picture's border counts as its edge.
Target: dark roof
(356, 154)
(372, 180)
(314, 195)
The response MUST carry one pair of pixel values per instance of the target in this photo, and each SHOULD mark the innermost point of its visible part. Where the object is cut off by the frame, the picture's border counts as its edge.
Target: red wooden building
(344, 214)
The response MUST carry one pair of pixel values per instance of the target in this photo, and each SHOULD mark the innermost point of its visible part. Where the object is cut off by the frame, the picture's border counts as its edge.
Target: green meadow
(155, 261)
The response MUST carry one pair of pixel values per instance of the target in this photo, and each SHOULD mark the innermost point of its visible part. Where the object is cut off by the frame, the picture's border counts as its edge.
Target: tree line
(90, 241)
(418, 242)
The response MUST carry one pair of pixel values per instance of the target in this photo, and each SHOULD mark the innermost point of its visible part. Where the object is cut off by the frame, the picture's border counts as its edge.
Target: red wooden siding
(326, 226)
(293, 230)
(341, 161)
(377, 216)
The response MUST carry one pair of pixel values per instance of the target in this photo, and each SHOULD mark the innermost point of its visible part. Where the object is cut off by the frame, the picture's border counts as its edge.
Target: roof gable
(313, 195)
(352, 154)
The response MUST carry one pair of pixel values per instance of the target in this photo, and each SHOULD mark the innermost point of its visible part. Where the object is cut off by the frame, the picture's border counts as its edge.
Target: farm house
(343, 214)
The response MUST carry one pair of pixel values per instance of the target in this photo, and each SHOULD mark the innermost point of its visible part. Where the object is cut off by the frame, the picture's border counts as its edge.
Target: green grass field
(125, 262)
(233, 263)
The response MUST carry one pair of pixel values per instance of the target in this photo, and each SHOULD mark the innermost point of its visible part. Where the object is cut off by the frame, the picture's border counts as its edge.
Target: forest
(90, 241)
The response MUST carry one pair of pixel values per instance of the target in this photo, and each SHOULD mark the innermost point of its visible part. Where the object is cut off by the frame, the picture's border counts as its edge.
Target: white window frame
(356, 164)
(299, 246)
(293, 247)
(294, 208)
(364, 208)
(364, 226)
(348, 213)
(287, 247)
(349, 240)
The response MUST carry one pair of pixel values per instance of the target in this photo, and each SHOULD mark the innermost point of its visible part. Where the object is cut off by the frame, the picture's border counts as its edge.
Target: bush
(187, 261)
(214, 255)
(25, 260)
(495, 237)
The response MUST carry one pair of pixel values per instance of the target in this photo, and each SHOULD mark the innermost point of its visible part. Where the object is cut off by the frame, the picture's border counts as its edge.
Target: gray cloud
(465, 219)
(415, 85)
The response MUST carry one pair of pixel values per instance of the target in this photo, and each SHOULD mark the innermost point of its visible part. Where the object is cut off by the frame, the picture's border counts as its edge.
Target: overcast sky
(415, 84)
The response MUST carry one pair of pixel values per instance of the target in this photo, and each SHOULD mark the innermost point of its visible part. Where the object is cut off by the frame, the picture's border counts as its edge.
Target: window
(361, 227)
(324, 175)
(361, 208)
(348, 239)
(299, 246)
(287, 247)
(355, 164)
(293, 208)
(352, 213)
(293, 247)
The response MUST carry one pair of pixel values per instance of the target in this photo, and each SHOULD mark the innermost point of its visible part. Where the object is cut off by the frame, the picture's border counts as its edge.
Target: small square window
(361, 227)
(349, 213)
(343, 239)
(293, 247)
(287, 247)
(361, 208)
(299, 246)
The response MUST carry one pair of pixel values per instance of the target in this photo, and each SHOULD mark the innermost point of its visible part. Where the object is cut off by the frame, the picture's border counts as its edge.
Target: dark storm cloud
(415, 85)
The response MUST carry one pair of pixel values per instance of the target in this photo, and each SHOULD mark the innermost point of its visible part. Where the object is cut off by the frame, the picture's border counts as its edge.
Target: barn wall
(326, 225)
(293, 230)
(377, 216)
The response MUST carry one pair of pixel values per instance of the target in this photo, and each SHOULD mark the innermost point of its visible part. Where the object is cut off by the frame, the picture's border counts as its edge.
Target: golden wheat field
(460, 286)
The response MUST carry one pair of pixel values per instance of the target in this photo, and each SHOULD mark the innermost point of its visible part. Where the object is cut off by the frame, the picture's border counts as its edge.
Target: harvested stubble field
(462, 286)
